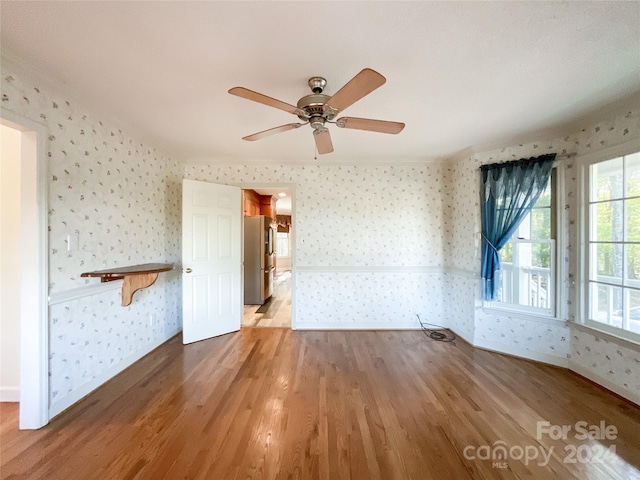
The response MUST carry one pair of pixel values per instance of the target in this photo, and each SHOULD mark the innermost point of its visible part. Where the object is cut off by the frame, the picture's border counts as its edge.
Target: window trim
(558, 311)
(584, 162)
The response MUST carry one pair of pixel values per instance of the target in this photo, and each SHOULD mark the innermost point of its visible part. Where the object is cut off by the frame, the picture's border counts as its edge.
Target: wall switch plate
(73, 242)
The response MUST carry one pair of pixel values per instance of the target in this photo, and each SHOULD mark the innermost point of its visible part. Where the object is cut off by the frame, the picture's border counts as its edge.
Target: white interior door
(211, 260)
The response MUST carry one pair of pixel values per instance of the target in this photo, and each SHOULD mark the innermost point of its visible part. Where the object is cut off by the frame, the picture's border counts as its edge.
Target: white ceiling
(458, 74)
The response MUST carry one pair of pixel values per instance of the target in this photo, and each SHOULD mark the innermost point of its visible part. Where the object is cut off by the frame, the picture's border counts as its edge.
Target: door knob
(188, 270)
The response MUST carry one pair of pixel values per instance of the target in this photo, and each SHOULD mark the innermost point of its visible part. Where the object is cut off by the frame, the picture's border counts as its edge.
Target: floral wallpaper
(548, 338)
(380, 299)
(121, 199)
(460, 302)
(613, 361)
(382, 219)
(354, 215)
(94, 333)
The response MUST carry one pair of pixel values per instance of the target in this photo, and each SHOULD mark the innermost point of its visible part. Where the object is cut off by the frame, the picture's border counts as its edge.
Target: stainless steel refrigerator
(259, 253)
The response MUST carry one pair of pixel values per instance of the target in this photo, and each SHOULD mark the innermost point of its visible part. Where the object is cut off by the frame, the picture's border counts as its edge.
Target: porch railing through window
(609, 305)
(528, 286)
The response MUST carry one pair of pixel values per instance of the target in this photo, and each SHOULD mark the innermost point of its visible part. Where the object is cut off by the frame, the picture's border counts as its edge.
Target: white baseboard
(522, 352)
(594, 377)
(463, 336)
(9, 394)
(414, 325)
(65, 402)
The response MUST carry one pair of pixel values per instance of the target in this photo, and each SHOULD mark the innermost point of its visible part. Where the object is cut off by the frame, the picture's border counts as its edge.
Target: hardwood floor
(283, 404)
(276, 312)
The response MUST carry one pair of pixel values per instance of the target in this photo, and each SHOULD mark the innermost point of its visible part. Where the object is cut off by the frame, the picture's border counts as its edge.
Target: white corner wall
(604, 359)
(10, 160)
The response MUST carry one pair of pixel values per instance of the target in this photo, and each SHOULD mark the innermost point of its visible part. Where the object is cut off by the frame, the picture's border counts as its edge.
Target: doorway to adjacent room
(24, 268)
(276, 310)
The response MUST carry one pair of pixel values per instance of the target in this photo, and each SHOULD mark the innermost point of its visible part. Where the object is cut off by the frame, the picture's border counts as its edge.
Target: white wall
(10, 159)
(368, 250)
(122, 198)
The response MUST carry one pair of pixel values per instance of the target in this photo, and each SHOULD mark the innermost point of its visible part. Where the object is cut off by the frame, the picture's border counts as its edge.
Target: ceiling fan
(318, 109)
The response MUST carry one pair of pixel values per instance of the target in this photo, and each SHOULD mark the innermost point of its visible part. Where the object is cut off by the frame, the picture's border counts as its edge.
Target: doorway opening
(24, 265)
(10, 140)
(273, 309)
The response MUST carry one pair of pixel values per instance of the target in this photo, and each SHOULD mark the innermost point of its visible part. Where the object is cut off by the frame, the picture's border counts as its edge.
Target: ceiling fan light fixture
(317, 122)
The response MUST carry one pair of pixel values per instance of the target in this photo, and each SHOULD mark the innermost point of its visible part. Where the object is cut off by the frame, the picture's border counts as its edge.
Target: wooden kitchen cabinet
(256, 204)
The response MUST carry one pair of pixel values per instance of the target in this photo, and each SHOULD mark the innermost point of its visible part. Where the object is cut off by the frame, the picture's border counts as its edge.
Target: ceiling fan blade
(265, 100)
(369, 124)
(271, 131)
(323, 140)
(362, 84)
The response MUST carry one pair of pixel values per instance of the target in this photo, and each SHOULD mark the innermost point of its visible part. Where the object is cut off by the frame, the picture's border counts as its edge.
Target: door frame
(292, 188)
(34, 279)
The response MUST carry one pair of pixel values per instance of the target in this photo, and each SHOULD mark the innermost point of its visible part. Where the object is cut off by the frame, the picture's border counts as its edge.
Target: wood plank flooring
(282, 404)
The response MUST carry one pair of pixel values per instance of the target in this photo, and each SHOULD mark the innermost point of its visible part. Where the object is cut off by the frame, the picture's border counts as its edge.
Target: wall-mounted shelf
(135, 277)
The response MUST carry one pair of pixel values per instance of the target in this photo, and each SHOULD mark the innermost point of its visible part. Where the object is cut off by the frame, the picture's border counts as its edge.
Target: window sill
(530, 316)
(607, 335)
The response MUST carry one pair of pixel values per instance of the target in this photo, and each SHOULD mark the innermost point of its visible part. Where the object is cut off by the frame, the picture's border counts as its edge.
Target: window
(283, 244)
(527, 272)
(613, 245)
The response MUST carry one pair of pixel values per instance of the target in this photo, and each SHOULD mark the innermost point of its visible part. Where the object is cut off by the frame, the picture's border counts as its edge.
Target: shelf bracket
(133, 283)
